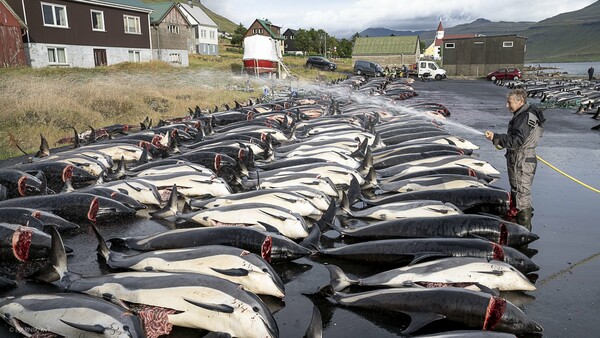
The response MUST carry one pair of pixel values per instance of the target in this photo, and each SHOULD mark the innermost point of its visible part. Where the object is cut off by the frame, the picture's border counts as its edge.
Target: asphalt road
(565, 219)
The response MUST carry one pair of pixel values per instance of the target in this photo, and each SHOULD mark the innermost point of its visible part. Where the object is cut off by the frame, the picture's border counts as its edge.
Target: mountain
(479, 26)
(571, 36)
(372, 32)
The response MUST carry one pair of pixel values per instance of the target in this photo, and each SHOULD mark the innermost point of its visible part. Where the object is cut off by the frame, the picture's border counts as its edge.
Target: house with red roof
(434, 50)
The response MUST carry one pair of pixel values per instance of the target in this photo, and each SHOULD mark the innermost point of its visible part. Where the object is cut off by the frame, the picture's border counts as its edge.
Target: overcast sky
(342, 18)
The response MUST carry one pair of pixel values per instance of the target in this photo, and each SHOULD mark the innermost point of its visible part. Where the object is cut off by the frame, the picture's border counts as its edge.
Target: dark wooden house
(11, 42)
(477, 56)
(170, 32)
(84, 33)
(289, 39)
(266, 28)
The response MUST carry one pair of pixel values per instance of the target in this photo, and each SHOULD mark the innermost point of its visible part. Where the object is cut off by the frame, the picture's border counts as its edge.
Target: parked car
(320, 62)
(368, 68)
(505, 74)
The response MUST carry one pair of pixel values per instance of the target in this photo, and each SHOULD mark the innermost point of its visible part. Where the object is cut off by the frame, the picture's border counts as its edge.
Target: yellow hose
(567, 175)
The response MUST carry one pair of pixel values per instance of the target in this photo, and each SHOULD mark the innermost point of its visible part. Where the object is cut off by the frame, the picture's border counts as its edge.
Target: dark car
(505, 74)
(368, 68)
(320, 62)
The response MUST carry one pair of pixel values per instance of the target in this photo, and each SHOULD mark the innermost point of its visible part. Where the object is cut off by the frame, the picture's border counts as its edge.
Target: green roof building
(387, 50)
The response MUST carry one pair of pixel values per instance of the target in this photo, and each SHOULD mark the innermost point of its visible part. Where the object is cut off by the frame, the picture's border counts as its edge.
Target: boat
(262, 55)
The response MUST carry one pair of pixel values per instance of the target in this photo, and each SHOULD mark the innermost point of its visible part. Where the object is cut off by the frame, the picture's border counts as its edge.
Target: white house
(206, 37)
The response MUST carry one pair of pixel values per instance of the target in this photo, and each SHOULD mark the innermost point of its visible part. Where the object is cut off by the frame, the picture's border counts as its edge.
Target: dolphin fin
(56, 266)
(89, 328)
(329, 215)
(441, 211)
(171, 208)
(423, 256)
(281, 218)
(232, 272)
(212, 307)
(102, 248)
(44, 148)
(269, 227)
(493, 272)
(311, 241)
(419, 319)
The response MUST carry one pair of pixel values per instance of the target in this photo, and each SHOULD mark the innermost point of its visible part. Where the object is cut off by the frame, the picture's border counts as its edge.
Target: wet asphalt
(565, 218)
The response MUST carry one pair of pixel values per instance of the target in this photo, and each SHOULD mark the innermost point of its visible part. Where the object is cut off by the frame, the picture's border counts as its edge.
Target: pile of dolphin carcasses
(266, 184)
(583, 95)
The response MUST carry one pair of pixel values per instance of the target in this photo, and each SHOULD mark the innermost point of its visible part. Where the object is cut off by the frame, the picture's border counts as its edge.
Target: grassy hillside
(223, 23)
(569, 36)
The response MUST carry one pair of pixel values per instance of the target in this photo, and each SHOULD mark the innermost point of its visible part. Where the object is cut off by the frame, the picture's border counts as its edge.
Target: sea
(572, 68)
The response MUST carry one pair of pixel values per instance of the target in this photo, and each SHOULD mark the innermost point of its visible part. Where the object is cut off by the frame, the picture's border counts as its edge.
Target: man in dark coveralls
(524, 131)
(591, 73)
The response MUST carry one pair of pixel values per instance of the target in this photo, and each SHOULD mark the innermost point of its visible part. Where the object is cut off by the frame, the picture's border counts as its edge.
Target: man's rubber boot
(524, 217)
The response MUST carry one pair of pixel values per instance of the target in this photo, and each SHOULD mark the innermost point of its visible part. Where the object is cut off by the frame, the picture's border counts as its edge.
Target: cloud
(344, 18)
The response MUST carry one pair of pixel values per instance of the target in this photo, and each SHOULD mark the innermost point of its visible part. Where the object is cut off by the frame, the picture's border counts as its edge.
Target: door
(100, 57)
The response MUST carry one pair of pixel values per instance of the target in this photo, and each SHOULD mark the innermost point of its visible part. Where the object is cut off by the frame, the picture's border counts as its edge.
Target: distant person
(524, 131)
(405, 71)
(591, 73)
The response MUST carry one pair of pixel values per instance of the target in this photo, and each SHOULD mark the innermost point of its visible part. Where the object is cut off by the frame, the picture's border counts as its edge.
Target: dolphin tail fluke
(315, 328)
(102, 248)
(339, 280)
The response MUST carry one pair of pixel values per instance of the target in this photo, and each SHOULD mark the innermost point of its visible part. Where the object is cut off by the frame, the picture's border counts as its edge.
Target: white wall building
(206, 36)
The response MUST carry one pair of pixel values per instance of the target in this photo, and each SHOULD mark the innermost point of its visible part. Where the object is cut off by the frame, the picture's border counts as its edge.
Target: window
(507, 44)
(57, 56)
(135, 56)
(132, 24)
(175, 58)
(54, 15)
(97, 21)
(214, 49)
(478, 43)
(449, 45)
(212, 35)
(203, 33)
(173, 29)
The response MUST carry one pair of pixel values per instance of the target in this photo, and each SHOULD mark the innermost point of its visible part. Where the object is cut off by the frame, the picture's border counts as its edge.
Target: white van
(430, 69)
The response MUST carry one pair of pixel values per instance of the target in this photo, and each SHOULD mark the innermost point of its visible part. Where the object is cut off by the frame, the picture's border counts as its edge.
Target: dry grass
(50, 101)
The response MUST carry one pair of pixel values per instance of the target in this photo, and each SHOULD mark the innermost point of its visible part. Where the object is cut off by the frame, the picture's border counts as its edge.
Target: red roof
(440, 28)
(438, 42)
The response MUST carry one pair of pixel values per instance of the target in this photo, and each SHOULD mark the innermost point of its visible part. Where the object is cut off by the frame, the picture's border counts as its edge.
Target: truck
(427, 69)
